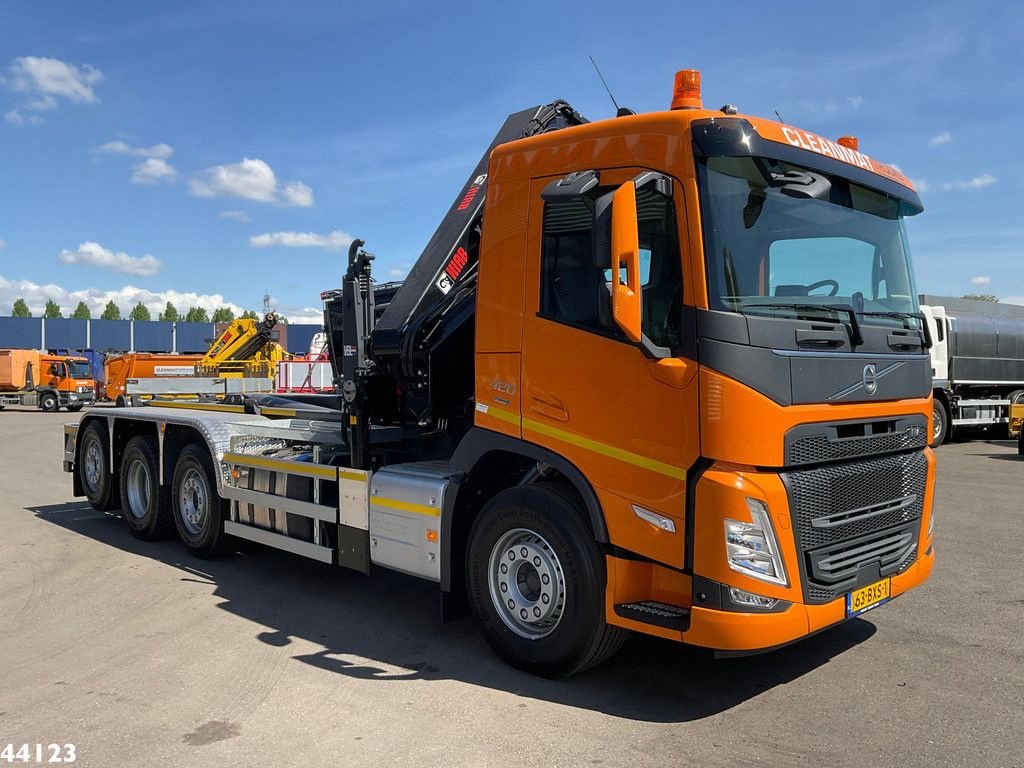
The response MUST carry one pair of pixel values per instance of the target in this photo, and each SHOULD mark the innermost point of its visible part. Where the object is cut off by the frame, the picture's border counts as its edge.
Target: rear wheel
(93, 467)
(536, 582)
(121, 401)
(147, 504)
(940, 423)
(48, 402)
(199, 512)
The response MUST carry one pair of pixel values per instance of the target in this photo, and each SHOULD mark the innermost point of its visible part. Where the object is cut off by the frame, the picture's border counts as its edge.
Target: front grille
(856, 520)
(819, 443)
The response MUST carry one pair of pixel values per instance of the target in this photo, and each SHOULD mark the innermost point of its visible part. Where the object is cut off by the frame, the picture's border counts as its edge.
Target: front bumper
(758, 632)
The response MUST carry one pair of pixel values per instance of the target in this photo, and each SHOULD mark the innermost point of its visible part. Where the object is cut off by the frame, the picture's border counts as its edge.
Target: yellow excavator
(247, 348)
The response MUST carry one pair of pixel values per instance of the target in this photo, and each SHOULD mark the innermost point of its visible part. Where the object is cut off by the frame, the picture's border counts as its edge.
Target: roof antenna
(779, 116)
(619, 111)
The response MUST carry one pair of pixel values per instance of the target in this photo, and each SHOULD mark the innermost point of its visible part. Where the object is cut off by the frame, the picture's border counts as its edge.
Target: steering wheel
(833, 284)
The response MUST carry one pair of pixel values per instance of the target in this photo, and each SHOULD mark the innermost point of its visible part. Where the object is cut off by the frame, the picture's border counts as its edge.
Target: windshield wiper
(853, 329)
(919, 316)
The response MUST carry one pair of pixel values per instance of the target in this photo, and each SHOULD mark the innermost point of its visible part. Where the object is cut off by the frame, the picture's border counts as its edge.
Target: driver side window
(576, 289)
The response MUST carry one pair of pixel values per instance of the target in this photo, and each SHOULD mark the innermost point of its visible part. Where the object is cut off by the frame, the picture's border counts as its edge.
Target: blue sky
(207, 151)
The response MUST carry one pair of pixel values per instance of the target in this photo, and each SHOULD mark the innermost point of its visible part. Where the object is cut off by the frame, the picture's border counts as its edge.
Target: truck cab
(65, 382)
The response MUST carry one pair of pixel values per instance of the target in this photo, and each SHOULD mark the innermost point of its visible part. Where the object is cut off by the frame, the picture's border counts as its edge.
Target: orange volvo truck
(663, 373)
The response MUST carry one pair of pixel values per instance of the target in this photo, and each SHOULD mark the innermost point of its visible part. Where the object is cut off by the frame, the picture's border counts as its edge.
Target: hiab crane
(663, 373)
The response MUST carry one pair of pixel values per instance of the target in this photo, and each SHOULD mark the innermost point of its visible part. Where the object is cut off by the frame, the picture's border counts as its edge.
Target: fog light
(752, 549)
(741, 597)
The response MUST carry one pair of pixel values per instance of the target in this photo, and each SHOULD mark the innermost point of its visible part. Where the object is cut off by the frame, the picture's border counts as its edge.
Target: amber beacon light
(686, 93)
(850, 142)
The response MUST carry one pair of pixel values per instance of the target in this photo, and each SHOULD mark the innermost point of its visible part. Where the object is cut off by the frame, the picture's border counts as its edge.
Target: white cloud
(334, 241)
(36, 295)
(297, 194)
(920, 185)
(159, 151)
(855, 101)
(1012, 300)
(3, 244)
(978, 182)
(236, 215)
(95, 255)
(15, 117)
(44, 81)
(981, 280)
(153, 170)
(251, 179)
(942, 138)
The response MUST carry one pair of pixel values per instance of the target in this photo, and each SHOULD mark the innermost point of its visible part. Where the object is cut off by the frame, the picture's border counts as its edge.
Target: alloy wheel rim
(193, 501)
(526, 583)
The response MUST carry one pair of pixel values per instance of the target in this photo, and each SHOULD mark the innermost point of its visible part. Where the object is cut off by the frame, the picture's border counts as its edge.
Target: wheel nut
(536, 612)
(536, 561)
(523, 613)
(504, 568)
(545, 599)
(545, 578)
(524, 552)
(511, 604)
(504, 587)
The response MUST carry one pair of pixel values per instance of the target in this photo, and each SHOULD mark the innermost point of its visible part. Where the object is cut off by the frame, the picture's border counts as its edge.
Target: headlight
(72, 396)
(752, 549)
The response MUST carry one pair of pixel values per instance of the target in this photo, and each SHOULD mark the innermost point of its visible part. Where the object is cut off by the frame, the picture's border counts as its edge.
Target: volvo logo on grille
(870, 379)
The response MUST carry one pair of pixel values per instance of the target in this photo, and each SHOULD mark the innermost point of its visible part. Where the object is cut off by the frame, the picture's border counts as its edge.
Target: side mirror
(625, 248)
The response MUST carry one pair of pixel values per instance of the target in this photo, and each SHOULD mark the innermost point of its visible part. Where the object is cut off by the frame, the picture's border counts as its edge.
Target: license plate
(866, 598)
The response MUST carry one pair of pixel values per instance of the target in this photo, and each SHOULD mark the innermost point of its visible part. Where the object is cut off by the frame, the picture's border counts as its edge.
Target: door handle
(548, 405)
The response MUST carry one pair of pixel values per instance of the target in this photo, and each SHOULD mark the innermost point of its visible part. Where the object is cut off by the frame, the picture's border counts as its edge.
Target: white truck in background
(977, 362)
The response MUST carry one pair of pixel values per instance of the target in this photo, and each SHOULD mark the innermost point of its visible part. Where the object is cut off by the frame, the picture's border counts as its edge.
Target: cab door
(624, 412)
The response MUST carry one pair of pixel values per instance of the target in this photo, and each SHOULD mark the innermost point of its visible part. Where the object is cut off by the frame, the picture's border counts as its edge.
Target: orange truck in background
(130, 367)
(51, 382)
(664, 373)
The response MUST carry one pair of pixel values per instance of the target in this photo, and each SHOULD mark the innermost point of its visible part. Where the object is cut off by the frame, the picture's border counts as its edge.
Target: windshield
(79, 370)
(782, 237)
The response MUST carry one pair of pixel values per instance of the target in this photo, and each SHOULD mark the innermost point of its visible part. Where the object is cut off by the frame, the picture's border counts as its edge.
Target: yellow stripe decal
(405, 506)
(282, 465)
(290, 412)
(585, 442)
(503, 415)
(197, 406)
(359, 477)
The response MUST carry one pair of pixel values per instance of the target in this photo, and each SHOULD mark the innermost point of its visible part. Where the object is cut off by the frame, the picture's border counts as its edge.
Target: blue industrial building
(117, 336)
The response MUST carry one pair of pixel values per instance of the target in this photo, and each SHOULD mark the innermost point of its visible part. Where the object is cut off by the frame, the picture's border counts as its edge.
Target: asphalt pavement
(139, 654)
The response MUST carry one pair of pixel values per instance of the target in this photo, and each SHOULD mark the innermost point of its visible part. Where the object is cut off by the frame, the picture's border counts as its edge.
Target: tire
(146, 503)
(940, 423)
(48, 402)
(198, 511)
(559, 585)
(75, 408)
(93, 467)
(121, 401)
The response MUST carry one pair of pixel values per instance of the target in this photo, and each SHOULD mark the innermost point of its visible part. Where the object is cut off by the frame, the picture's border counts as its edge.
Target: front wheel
(536, 582)
(48, 403)
(199, 511)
